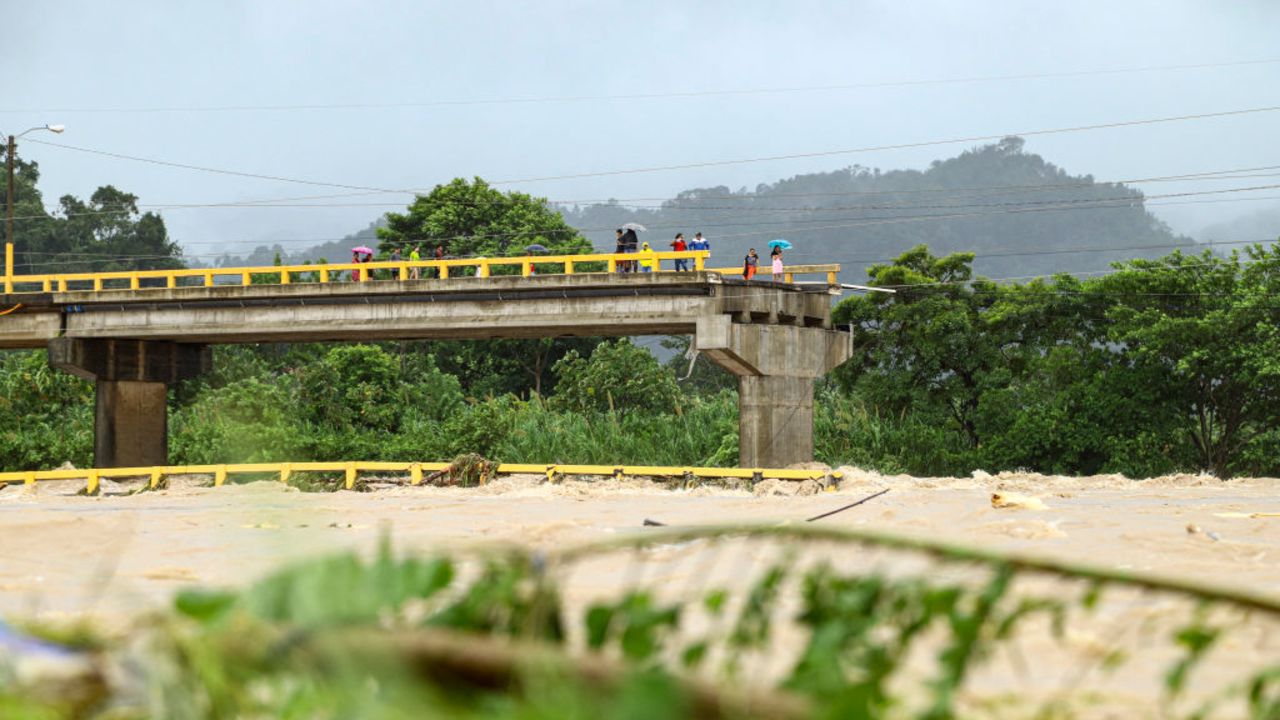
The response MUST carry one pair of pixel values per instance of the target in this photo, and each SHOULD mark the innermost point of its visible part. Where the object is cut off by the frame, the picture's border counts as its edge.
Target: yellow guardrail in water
(351, 471)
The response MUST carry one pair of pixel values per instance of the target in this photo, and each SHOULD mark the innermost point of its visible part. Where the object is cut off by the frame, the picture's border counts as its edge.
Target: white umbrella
(634, 226)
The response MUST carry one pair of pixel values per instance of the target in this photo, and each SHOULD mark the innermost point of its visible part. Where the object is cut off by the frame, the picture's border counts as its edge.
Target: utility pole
(12, 147)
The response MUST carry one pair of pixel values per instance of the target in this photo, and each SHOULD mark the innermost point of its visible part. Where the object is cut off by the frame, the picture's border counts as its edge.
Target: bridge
(136, 332)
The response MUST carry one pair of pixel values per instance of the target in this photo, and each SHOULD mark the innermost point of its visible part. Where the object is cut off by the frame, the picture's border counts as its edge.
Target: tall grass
(691, 436)
(848, 431)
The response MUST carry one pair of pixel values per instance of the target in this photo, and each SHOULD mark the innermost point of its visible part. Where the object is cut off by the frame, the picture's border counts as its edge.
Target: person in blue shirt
(699, 242)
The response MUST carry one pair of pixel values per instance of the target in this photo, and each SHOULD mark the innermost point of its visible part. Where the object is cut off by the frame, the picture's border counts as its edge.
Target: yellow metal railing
(413, 470)
(333, 272)
(832, 271)
(328, 272)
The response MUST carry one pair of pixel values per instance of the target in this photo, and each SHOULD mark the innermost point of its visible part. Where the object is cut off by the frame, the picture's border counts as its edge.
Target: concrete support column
(132, 378)
(776, 366)
(130, 424)
(775, 420)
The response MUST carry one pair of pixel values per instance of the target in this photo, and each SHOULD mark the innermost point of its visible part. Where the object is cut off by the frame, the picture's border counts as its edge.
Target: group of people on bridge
(628, 243)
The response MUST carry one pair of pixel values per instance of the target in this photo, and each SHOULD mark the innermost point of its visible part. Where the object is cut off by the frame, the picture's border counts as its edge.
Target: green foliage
(365, 388)
(540, 433)
(848, 430)
(341, 634)
(242, 422)
(473, 218)
(933, 341)
(46, 416)
(103, 234)
(498, 367)
(482, 427)
(1165, 365)
(1007, 244)
(619, 377)
(1205, 328)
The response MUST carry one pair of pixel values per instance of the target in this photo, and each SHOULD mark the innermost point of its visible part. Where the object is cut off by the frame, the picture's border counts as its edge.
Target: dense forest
(1019, 213)
(106, 232)
(1163, 365)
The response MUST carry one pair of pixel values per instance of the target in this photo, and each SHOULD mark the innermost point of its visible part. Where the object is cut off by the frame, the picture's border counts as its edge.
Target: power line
(684, 166)
(898, 146)
(791, 227)
(201, 168)
(671, 205)
(644, 96)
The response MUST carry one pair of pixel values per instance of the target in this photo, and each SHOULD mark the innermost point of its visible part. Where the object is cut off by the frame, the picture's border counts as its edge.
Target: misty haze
(865, 359)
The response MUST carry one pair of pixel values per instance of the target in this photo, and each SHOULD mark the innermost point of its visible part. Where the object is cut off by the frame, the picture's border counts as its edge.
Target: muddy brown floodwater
(108, 557)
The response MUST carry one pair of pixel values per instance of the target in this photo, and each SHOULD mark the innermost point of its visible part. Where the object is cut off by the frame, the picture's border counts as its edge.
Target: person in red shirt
(679, 245)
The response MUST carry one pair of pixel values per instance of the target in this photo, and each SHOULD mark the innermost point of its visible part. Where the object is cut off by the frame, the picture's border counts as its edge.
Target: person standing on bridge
(699, 242)
(648, 259)
(679, 245)
(395, 257)
(620, 247)
(355, 272)
(749, 264)
(414, 256)
(630, 245)
(775, 258)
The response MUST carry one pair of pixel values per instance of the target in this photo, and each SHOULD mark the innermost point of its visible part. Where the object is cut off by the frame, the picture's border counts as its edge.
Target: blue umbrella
(780, 243)
(536, 249)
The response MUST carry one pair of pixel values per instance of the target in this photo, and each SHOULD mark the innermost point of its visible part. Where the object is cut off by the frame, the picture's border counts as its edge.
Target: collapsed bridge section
(777, 338)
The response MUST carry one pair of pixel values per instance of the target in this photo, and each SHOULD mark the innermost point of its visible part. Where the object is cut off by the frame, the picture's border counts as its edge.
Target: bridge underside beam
(131, 382)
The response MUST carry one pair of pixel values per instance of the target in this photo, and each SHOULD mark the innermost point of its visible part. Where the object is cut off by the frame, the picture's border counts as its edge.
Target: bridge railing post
(8, 267)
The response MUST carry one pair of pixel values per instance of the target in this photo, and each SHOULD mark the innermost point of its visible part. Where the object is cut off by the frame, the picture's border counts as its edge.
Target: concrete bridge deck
(776, 337)
(596, 304)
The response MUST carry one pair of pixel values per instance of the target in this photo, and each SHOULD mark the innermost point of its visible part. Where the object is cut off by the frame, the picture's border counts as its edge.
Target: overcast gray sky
(110, 70)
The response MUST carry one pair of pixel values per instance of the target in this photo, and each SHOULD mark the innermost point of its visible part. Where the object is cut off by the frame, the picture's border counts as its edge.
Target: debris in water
(1017, 500)
(1194, 529)
(850, 505)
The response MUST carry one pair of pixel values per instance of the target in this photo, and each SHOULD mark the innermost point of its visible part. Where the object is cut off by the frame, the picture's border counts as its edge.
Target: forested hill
(1021, 214)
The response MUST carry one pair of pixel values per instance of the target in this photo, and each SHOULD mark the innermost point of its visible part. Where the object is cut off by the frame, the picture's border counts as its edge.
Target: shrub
(619, 377)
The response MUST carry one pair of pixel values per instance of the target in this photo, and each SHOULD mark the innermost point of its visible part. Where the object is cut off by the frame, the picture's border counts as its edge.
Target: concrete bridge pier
(776, 366)
(132, 377)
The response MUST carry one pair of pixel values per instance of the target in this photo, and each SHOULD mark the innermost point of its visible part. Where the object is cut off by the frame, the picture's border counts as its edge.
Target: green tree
(473, 218)
(618, 377)
(1204, 328)
(357, 388)
(497, 367)
(106, 233)
(245, 421)
(46, 416)
(930, 345)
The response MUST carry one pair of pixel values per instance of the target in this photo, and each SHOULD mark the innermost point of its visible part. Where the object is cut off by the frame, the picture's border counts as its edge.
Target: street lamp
(8, 206)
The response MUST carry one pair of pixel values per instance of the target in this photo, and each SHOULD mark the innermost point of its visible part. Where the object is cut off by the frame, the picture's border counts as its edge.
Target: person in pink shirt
(776, 258)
